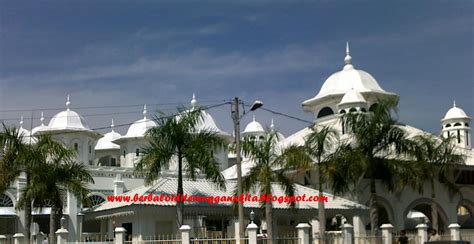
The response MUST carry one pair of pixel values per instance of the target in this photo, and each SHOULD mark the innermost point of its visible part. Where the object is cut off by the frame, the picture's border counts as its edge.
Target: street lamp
(236, 118)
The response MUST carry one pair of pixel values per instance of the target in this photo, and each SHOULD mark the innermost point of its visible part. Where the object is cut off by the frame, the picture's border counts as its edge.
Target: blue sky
(106, 53)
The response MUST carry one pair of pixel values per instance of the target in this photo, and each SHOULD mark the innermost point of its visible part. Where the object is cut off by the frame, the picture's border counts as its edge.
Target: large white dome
(455, 113)
(68, 120)
(207, 122)
(139, 127)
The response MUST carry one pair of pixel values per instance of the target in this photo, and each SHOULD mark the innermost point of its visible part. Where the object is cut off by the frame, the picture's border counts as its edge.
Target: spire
(348, 58)
(144, 111)
(112, 125)
(254, 118)
(272, 126)
(454, 103)
(68, 102)
(193, 101)
(21, 122)
(42, 118)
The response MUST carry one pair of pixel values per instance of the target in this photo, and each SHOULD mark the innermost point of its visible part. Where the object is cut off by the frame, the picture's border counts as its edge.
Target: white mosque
(111, 159)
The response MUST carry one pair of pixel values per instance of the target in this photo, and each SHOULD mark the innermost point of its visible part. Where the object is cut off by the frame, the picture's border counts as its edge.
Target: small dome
(68, 120)
(106, 143)
(208, 123)
(41, 127)
(253, 127)
(139, 127)
(352, 96)
(455, 113)
(24, 133)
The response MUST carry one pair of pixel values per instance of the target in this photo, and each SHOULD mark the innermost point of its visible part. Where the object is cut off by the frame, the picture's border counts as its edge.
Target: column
(61, 236)
(386, 233)
(454, 230)
(20, 184)
(120, 235)
(72, 216)
(303, 232)
(185, 234)
(347, 233)
(18, 238)
(422, 232)
(252, 233)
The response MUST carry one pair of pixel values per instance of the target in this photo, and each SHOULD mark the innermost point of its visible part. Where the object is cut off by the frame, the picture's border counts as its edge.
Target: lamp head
(256, 105)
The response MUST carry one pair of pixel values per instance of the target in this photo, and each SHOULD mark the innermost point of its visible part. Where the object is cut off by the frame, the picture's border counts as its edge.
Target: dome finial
(454, 103)
(254, 117)
(21, 122)
(112, 125)
(68, 102)
(144, 111)
(42, 118)
(193, 101)
(272, 126)
(348, 58)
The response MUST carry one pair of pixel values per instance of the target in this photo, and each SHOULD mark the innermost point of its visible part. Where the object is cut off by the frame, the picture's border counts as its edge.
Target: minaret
(456, 124)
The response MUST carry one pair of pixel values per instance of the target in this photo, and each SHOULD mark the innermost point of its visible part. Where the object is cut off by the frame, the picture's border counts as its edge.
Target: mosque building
(111, 158)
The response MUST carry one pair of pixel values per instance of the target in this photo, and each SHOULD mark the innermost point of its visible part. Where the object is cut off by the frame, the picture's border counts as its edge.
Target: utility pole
(236, 119)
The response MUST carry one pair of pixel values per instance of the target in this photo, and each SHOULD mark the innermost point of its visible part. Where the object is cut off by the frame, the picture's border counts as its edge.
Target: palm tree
(318, 145)
(180, 138)
(271, 165)
(377, 141)
(436, 158)
(15, 158)
(54, 173)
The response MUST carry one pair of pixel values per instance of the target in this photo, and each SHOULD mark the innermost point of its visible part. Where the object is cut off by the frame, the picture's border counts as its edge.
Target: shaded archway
(419, 211)
(385, 212)
(326, 111)
(465, 214)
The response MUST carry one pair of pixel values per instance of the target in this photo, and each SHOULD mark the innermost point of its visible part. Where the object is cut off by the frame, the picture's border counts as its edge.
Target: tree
(180, 138)
(15, 158)
(435, 158)
(318, 145)
(271, 165)
(377, 144)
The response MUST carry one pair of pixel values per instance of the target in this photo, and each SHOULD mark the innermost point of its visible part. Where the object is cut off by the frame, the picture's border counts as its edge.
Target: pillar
(252, 233)
(72, 216)
(422, 232)
(3, 239)
(120, 235)
(20, 184)
(18, 238)
(347, 233)
(61, 236)
(185, 234)
(119, 185)
(454, 230)
(386, 233)
(303, 232)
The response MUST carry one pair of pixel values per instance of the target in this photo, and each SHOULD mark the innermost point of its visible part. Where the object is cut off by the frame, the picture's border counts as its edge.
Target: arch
(6, 201)
(363, 110)
(326, 111)
(384, 209)
(373, 107)
(94, 199)
(457, 124)
(342, 111)
(352, 110)
(442, 216)
(466, 220)
(466, 124)
(448, 125)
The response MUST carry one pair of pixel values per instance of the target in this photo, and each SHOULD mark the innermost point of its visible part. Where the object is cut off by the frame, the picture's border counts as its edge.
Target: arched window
(93, 201)
(466, 124)
(137, 152)
(90, 148)
(76, 146)
(342, 111)
(373, 107)
(325, 112)
(459, 136)
(352, 110)
(124, 153)
(448, 125)
(5, 201)
(457, 124)
(363, 110)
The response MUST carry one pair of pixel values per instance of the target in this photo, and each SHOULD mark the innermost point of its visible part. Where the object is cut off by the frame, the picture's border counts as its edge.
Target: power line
(111, 106)
(282, 114)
